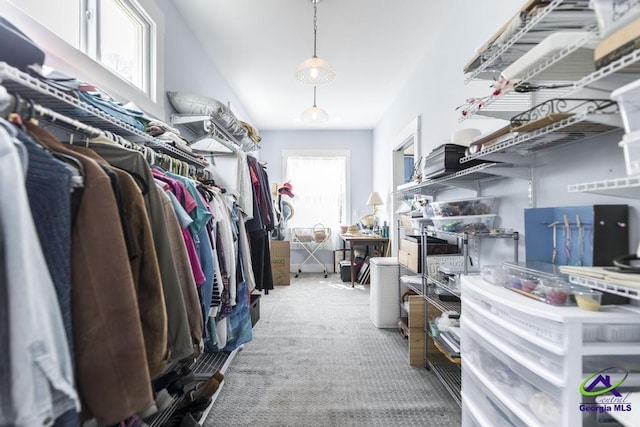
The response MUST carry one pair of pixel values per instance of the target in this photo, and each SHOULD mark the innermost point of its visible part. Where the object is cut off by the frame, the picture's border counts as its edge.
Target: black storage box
(445, 160)
(435, 246)
(345, 271)
(254, 309)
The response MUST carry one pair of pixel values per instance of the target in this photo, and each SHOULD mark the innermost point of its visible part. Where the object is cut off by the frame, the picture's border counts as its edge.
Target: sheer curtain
(320, 188)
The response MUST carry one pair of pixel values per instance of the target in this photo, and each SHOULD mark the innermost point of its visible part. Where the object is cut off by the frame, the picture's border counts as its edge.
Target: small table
(361, 240)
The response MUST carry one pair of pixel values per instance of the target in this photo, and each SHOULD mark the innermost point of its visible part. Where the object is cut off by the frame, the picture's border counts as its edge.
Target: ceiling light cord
(315, 28)
(314, 96)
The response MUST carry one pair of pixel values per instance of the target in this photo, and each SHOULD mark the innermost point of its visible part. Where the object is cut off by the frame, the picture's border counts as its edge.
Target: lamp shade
(374, 199)
(314, 114)
(315, 71)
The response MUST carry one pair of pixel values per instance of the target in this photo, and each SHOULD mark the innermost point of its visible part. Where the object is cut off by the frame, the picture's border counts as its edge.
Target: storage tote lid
(384, 260)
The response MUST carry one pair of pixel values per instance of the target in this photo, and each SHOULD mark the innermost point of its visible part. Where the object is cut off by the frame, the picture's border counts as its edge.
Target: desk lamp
(375, 201)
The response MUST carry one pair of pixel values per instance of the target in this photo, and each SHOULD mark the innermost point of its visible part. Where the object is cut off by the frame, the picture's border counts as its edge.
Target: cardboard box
(281, 262)
(619, 44)
(409, 255)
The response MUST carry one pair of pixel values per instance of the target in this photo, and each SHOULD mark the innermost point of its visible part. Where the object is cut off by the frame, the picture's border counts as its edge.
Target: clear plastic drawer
(536, 326)
(539, 359)
(482, 407)
(520, 391)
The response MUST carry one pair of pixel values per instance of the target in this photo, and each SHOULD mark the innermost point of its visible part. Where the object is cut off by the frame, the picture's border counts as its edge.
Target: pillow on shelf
(191, 103)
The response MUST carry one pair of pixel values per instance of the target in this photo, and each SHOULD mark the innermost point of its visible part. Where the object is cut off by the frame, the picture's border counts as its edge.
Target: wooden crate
(416, 330)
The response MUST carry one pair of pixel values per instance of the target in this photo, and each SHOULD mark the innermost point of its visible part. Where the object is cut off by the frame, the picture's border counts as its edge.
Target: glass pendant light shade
(314, 114)
(315, 71)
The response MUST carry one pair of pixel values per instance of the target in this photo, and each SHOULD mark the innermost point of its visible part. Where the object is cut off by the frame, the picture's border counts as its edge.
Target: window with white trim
(321, 187)
(119, 34)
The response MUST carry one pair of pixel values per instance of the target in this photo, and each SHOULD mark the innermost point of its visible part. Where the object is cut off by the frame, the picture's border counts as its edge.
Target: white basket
(631, 146)
(628, 99)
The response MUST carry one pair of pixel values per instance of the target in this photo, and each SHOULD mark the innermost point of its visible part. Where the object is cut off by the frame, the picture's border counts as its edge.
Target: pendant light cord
(314, 96)
(315, 27)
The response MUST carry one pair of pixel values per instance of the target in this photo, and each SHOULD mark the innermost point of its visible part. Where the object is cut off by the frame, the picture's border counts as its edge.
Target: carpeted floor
(316, 359)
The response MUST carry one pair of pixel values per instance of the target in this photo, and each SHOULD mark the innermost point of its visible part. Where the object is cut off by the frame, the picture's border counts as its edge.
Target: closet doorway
(406, 154)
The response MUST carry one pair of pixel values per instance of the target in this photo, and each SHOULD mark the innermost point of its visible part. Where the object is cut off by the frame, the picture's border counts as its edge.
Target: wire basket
(317, 234)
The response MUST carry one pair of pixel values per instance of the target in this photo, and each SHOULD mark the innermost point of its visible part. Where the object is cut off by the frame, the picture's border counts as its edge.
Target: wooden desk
(361, 240)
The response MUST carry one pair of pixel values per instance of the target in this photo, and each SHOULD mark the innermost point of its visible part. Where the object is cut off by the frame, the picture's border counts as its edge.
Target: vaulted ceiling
(374, 45)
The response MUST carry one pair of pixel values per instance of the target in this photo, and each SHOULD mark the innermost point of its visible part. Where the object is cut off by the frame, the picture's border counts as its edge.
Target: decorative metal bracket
(564, 106)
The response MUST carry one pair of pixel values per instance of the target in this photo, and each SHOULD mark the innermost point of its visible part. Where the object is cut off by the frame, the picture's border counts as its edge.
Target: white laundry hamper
(384, 292)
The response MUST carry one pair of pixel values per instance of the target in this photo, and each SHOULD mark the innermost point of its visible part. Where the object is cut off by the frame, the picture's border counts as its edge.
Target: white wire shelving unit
(606, 286)
(535, 28)
(213, 129)
(203, 368)
(628, 187)
(466, 178)
(33, 89)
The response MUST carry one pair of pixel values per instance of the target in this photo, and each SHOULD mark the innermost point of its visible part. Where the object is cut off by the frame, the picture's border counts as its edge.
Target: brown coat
(111, 368)
(185, 273)
(180, 343)
(144, 267)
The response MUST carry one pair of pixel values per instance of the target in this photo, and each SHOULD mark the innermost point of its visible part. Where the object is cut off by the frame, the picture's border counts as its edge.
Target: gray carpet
(316, 359)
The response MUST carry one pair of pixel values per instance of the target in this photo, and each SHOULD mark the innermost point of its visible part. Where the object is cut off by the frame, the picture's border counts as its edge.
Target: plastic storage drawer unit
(528, 353)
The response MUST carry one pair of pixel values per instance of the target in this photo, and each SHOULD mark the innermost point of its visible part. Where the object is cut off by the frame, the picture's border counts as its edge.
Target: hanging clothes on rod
(124, 280)
(35, 337)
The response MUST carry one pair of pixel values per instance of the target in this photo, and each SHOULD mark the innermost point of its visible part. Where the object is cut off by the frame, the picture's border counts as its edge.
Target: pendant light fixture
(315, 71)
(314, 114)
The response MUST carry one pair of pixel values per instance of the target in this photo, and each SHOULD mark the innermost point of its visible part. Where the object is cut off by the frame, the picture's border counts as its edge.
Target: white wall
(360, 142)
(189, 68)
(437, 87)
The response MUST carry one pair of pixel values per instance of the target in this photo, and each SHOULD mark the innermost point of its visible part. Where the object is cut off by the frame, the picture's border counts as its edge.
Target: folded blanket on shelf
(252, 132)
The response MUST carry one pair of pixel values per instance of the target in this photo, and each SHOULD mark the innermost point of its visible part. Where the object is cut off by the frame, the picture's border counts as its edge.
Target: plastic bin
(515, 378)
(384, 295)
(530, 354)
(469, 223)
(614, 14)
(529, 325)
(254, 309)
(463, 207)
(628, 99)
(345, 271)
(631, 146)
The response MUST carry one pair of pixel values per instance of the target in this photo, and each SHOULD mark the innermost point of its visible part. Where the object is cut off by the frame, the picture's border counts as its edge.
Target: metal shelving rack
(448, 369)
(532, 31)
(203, 368)
(628, 187)
(521, 148)
(577, 127)
(466, 178)
(40, 92)
(605, 286)
(558, 15)
(213, 129)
